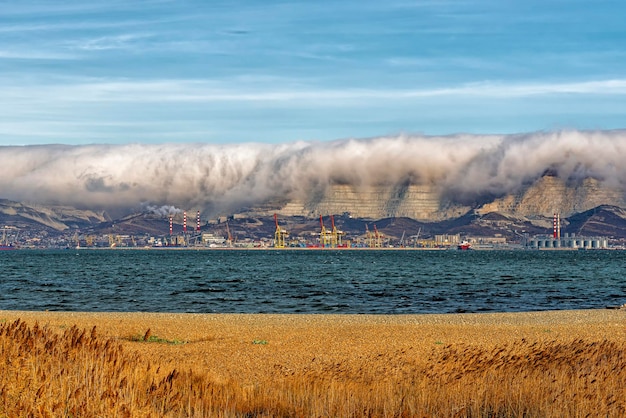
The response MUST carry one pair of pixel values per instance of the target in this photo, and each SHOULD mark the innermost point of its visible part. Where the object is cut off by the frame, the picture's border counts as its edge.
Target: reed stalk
(46, 373)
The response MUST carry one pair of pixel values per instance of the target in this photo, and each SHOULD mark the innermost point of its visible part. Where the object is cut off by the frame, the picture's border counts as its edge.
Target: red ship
(465, 245)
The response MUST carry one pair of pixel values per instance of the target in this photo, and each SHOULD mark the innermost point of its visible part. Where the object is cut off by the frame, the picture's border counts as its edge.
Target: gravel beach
(247, 347)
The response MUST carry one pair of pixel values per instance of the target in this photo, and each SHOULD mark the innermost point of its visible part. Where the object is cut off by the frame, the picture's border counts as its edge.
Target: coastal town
(259, 233)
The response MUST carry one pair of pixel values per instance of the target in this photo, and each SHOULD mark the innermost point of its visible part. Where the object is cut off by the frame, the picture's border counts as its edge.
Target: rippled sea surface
(311, 281)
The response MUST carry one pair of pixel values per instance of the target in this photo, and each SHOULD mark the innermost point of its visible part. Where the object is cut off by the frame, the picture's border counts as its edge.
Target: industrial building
(570, 241)
(567, 241)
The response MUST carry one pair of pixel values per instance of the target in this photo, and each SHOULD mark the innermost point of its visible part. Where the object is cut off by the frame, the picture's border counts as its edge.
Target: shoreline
(486, 318)
(512, 247)
(190, 323)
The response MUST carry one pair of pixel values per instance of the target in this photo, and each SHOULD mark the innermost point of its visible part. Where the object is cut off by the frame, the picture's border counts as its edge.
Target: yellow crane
(115, 241)
(279, 235)
(327, 239)
(377, 238)
(336, 235)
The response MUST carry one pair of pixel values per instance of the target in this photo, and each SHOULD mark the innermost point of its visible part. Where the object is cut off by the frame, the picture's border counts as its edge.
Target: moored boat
(465, 245)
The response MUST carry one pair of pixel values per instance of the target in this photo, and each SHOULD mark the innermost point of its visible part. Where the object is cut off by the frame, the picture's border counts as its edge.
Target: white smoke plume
(223, 177)
(165, 210)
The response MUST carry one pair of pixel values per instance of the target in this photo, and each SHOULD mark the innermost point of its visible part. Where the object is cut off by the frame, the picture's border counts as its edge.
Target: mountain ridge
(585, 206)
(605, 220)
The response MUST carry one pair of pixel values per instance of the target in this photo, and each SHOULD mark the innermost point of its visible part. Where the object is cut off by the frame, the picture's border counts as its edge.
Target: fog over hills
(423, 177)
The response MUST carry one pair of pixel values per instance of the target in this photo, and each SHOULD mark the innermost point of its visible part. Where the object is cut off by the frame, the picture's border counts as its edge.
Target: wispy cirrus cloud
(307, 70)
(237, 91)
(101, 43)
(247, 108)
(55, 8)
(25, 54)
(75, 25)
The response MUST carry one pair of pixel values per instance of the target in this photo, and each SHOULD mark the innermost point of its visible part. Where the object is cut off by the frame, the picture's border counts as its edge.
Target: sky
(235, 72)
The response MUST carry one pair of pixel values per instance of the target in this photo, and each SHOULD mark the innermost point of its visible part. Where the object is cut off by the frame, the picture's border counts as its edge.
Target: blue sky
(221, 72)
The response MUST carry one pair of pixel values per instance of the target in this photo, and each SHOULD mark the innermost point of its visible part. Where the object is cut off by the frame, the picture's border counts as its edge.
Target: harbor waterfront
(324, 281)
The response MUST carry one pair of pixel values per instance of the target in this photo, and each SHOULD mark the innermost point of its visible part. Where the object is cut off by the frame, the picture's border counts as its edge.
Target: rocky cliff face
(57, 218)
(535, 203)
(376, 202)
(548, 195)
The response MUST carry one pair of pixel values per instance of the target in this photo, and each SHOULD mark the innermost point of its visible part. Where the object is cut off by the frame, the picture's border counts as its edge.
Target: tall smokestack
(185, 222)
(554, 232)
(198, 221)
(171, 225)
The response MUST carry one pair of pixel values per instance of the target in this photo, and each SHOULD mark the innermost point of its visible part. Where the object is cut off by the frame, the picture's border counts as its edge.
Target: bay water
(310, 281)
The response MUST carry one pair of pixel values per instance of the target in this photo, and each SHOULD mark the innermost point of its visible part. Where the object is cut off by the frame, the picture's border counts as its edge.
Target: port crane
(115, 241)
(5, 240)
(279, 235)
(336, 234)
(377, 238)
(229, 241)
(328, 238)
(368, 236)
(322, 233)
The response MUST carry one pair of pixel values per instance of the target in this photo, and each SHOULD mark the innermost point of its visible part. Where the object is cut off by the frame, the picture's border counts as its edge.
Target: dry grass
(75, 372)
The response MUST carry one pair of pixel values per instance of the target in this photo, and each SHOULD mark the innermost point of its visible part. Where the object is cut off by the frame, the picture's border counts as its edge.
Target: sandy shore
(248, 346)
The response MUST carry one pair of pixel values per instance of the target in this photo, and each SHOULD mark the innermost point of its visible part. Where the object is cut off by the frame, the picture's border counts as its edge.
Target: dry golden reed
(76, 373)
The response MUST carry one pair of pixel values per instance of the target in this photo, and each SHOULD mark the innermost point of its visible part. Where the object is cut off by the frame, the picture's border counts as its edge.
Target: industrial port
(178, 233)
